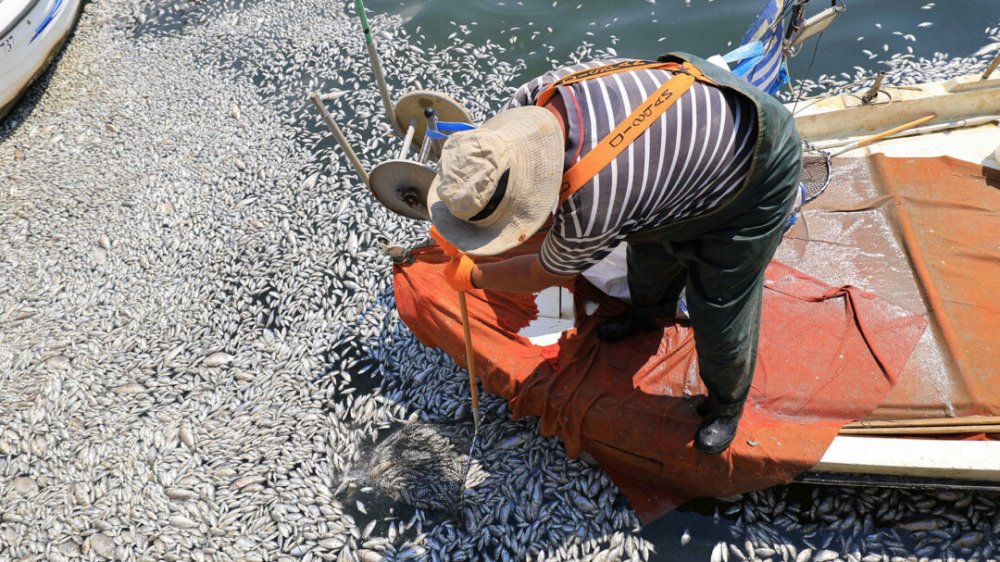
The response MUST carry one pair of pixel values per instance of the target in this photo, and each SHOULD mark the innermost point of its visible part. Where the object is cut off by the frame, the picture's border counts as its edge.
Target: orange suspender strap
(632, 127)
(598, 71)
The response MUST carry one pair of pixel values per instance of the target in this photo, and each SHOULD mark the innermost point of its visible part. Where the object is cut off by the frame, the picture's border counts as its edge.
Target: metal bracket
(872, 94)
(800, 29)
(398, 254)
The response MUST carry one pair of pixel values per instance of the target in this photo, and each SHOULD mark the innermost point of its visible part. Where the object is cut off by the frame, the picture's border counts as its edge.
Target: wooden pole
(993, 66)
(470, 359)
(339, 135)
(938, 430)
(383, 89)
(868, 140)
(405, 149)
(926, 422)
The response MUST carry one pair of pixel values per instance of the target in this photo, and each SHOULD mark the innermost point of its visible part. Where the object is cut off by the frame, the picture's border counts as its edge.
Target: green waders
(720, 257)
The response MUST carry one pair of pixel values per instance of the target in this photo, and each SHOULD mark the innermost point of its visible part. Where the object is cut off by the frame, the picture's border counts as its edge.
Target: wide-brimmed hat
(497, 185)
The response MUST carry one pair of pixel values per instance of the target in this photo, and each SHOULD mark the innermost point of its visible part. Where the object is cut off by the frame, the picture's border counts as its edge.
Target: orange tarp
(948, 212)
(923, 234)
(828, 355)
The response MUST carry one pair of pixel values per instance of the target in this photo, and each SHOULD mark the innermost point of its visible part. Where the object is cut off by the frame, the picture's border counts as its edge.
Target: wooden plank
(925, 422)
(925, 430)
(972, 460)
(845, 116)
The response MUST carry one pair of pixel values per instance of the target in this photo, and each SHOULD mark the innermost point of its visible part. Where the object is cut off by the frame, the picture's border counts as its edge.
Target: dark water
(646, 28)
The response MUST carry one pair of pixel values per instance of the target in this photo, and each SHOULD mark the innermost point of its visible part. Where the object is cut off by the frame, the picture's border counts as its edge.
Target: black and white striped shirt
(685, 164)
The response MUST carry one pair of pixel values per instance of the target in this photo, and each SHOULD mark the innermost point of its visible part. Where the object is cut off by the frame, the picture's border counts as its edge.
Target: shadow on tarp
(991, 176)
(828, 355)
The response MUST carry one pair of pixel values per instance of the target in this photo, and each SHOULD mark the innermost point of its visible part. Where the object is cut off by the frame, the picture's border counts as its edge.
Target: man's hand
(520, 274)
(458, 273)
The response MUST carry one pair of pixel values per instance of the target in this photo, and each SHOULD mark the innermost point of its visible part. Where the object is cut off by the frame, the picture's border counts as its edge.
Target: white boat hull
(33, 32)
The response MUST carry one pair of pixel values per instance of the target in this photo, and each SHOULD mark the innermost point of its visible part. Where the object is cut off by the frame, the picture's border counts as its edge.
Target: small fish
(217, 359)
(720, 552)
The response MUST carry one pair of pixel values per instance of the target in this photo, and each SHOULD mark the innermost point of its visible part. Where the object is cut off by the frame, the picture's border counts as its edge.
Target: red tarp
(828, 355)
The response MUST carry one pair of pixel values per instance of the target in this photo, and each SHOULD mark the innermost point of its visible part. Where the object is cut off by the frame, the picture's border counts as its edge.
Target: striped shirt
(685, 164)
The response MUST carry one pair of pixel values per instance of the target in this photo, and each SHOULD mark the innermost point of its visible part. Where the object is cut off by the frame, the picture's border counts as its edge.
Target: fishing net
(424, 465)
(815, 170)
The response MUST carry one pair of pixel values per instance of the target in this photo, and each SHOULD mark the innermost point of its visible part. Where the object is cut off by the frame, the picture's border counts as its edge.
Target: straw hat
(496, 185)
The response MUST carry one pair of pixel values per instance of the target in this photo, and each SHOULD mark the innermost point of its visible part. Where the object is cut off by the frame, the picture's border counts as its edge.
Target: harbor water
(199, 352)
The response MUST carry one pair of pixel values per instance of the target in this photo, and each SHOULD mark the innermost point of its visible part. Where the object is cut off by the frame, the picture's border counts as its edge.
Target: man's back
(686, 164)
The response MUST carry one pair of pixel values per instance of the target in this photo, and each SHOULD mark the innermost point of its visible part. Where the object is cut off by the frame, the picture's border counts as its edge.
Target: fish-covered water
(199, 353)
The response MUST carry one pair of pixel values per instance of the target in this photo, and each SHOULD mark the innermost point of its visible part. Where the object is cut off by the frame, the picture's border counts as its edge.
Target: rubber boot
(622, 327)
(716, 433)
(707, 407)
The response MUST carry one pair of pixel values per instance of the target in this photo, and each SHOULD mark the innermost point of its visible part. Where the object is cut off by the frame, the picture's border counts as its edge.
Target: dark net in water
(423, 465)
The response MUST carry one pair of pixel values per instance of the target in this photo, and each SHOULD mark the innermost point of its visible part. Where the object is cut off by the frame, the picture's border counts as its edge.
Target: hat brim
(402, 186)
(537, 147)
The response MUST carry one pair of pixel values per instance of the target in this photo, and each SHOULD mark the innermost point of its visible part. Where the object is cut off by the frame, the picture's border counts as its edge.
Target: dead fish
(925, 524)
(217, 359)
(968, 540)
(59, 362)
(720, 553)
(130, 388)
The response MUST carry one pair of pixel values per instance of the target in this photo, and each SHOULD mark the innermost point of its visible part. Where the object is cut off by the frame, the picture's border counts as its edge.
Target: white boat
(948, 389)
(31, 33)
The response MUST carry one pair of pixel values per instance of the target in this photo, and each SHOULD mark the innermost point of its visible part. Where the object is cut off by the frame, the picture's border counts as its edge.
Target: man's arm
(521, 274)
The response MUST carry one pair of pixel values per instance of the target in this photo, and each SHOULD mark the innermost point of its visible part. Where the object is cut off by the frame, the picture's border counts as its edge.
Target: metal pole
(405, 149)
(377, 66)
(339, 135)
(425, 150)
(432, 125)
